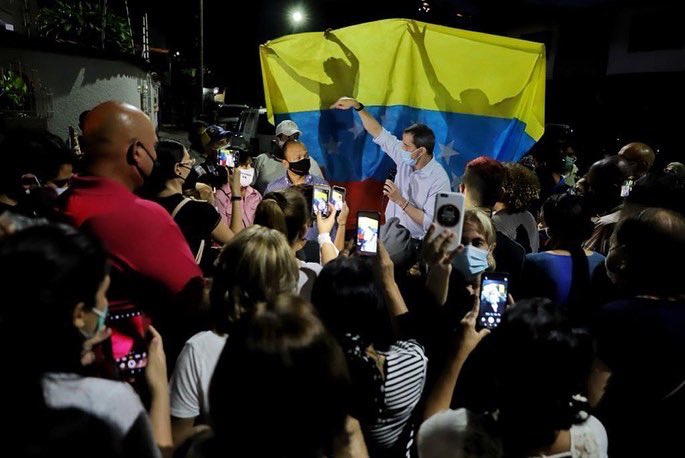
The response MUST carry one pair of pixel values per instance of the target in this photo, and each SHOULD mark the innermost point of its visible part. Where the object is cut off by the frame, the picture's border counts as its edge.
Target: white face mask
(246, 176)
(61, 190)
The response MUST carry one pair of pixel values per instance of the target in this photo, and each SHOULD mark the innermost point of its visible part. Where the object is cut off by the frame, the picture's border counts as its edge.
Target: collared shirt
(248, 205)
(419, 187)
(284, 182)
(134, 231)
(269, 168)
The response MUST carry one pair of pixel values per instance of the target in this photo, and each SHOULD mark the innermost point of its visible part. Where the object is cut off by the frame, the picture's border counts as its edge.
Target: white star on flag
(356, 130)
(447, 151)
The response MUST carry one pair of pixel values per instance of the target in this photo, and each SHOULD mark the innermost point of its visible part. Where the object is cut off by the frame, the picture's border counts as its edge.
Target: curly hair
(521, 188)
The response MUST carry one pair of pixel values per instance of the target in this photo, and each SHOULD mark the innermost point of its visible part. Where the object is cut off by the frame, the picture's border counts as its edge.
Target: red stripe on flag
(364, 195)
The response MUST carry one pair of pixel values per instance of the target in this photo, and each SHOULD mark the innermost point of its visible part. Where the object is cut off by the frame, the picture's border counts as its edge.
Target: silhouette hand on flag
(417, 33)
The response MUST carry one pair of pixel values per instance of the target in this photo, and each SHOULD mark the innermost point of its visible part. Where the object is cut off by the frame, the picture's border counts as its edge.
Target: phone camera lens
(448, 215)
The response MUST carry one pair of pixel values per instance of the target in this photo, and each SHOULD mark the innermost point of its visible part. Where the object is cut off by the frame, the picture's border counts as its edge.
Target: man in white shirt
(419, 177)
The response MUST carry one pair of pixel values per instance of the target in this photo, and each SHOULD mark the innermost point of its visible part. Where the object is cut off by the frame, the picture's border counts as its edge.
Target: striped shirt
(405, 377)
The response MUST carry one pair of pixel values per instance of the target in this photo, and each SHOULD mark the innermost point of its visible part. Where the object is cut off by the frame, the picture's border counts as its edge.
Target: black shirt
(196, 219)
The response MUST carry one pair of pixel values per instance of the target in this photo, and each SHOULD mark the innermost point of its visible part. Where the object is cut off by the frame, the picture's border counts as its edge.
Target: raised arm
(309, 84)
(370, 124)
(435, 254)
(156, 376)
(440, 396)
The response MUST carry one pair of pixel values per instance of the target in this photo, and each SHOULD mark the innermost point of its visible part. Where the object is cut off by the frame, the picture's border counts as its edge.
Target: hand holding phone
(129, 345)
(320, 198)
(338, 197)
(226, 157)
(494, 292)
(156, 371)
(368, 224)
(449, 216)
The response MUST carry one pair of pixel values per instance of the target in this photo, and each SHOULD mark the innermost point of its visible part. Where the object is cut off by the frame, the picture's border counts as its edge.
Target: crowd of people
(164, 300)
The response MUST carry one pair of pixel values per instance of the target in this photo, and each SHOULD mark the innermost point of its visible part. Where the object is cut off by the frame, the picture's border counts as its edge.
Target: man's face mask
(300, 167)
(154, 182)
(471, 262)
(406, 157)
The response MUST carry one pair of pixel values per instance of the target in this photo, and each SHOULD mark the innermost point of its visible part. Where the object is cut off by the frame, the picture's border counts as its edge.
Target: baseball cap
(287, 127)
(213, 134)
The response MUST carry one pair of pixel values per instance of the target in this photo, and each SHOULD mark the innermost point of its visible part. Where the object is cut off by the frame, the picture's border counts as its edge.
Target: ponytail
(270, 213)
(286, 211)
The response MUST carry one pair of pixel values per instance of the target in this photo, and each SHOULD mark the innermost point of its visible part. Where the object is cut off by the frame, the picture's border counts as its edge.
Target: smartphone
(129, 341)
(320, 198)
(368, 224)
(226, 157)
(338, 197)
(494, 291)
(449, 215)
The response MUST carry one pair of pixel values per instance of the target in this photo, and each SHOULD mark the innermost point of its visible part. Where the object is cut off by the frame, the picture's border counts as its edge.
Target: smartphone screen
(320, 199)
(226, 157)
(494, 290)
(129, 344)
(367, 233)
(338, 197)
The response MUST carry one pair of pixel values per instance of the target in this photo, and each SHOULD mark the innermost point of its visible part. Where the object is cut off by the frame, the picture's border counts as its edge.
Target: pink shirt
(222, 197)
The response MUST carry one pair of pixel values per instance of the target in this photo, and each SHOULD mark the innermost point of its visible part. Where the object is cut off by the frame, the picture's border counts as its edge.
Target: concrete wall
(76, 83)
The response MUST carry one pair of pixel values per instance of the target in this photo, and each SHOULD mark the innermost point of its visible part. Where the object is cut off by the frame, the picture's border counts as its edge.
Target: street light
(297, 18)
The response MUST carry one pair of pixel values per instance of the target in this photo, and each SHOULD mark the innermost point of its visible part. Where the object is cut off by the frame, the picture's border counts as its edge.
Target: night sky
(233, 33)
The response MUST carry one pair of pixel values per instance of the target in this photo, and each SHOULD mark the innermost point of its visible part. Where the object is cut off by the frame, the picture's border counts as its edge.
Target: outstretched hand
(156, 371)
(345, 103)
(385, 268)
(435, 250)
(417, 33)
(325, 224)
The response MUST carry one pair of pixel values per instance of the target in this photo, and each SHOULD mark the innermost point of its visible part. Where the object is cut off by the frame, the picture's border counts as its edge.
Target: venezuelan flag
(481, 94)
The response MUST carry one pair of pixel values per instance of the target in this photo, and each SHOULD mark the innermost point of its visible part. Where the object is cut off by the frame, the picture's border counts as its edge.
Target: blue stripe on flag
(337, 140)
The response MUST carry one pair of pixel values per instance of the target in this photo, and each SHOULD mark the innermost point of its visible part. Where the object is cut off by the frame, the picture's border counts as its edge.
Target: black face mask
(155, 181)
(301, 167)
(190, 180)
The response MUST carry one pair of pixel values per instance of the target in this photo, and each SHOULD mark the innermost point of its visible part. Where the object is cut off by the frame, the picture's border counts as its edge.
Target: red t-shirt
(136, 232)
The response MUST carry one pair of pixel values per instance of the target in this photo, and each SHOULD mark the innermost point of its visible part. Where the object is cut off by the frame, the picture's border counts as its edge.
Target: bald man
(641, 158)
(153, 266)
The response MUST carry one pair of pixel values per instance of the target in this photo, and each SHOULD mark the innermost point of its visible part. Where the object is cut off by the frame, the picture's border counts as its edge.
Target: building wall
(72, 84)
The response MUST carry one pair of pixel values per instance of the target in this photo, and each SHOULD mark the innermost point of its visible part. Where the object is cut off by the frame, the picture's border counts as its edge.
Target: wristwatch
(361, 107)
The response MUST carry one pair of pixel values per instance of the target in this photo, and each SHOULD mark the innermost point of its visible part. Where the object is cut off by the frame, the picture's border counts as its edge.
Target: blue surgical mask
(102, 316)
(407, 159)
(471, 261)
(567, 164)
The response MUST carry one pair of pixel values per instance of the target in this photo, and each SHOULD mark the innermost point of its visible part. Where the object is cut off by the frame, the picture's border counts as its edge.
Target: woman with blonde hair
(256, 266)
(287, 211)
(473, 257)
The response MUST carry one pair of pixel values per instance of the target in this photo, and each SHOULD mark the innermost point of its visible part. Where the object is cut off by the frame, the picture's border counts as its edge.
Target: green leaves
(81, 22)
(13, 90)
